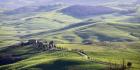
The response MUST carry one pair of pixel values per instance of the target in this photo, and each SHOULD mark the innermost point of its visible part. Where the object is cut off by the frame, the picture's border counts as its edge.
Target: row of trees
(123, 66)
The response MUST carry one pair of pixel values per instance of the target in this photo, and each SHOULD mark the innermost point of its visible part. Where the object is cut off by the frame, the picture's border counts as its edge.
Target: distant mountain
(138, 1)
(13, 4)
(82, 11)
(133, 20)
(32, 9)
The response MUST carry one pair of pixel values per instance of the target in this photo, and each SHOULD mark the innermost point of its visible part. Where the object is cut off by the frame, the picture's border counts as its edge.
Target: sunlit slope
(98, 32)
(13, 26)
(7, 36)
(52, 60)
(37, 23)
(111, 52)
(100, 57)
(52, 20)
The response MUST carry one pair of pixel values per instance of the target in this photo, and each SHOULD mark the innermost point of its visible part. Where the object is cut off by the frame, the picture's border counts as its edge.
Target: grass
(98, 32)
(111, 31)
(4, 43)
(53, 61)
(7, 31)
(59, 16)
(53, 19)
(109, 54)
(64, 37)
(111, 27)
(7, 36)
(69, 60)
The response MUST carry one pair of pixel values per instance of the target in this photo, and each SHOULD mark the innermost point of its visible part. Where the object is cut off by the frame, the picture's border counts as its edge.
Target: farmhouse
(42, 44)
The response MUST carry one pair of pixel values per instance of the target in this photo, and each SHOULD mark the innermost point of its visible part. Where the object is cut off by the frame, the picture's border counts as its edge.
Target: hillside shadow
(58, 65)
(71, 26)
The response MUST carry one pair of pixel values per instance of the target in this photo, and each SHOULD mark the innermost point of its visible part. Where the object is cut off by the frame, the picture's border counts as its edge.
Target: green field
(100, 56)
(112, 52)
(115, 38)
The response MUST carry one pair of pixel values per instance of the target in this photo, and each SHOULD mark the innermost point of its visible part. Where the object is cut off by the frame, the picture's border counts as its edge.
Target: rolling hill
(81, 11)
(99, 56)
(32, 21)
(34, 9)
(87, 35)
(96, 31)
(14, 4)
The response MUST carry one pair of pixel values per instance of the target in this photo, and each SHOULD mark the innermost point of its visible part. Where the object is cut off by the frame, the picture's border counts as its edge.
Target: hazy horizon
(21, 3)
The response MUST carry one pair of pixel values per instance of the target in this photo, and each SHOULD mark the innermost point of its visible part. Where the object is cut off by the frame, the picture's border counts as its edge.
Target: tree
(129, 65)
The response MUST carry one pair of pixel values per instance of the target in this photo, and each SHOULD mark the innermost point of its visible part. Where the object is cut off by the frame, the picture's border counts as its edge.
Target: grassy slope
(68, 60)
(7, 31)
(96, 32)
(52, 20)
(7, 36)
(109, 26)
(21, 26)
(109, 53)
(53, 61)
(110, 31)
(41, 22)
(114, 52)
